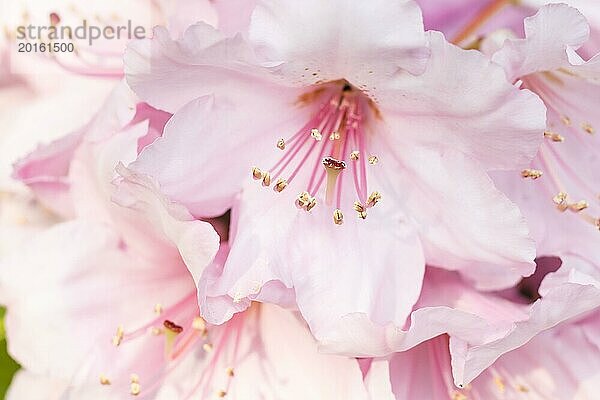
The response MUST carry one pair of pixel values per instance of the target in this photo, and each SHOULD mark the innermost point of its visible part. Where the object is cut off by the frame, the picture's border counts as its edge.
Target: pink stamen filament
(318, 117)
(362, 159)
(323, 126)
(297, 145)
(317, 167)
(288, 157)
(355, 167)
(299, 167)
(341, 177)
(231, 325)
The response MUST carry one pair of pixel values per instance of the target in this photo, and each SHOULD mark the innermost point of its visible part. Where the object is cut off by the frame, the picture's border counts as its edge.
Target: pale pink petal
(464, 102)
(555, 365)
(303, 372)
(180, 14)
(93, 169)
(378, 381)
(570, 166)
(234, 16)
(81, 272)
(32, 114)
(167, 73)
(269, 257)
(465, 223)
(149, 223)
(196, 241)
(226, 142)
(546, 47)
(21, 216)
(423, 372)
(251, 344)
(447, 305)
(45, 171)
(566, 298)
(317, 42)
(28, 386)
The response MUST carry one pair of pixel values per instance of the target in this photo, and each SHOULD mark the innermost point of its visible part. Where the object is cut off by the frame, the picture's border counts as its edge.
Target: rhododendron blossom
(567, 163)
(281, 199)
(381, 121)
(140, 337)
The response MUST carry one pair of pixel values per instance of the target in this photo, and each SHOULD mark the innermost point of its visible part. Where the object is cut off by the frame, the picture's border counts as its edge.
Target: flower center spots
(332, 147)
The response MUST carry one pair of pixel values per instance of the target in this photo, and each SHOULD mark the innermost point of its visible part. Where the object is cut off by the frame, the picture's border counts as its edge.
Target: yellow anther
(281, 144)
(229, 372)
(500, 384)
(158, 309)
(338, 217)
(302, 200)
(118, 338)
(531, 173)
(280, 185)
(358, 207)
(587, 127)
(207, 347)
(565, 120)
(257, 174)
(315, 134)
(266, 180)
(156, 331)
(561, 201)
(104, 380)
(311, 204)
(555, 137)
(373, 199)
(579, 206)
(522, 388)
(199, 324)
(354, 155)
(135, 388)
(373, 160)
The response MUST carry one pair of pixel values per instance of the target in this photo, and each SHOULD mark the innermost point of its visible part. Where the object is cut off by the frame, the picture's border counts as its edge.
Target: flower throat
(336, 135)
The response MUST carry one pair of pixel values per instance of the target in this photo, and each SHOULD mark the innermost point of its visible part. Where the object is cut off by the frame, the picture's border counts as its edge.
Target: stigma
(328, 156)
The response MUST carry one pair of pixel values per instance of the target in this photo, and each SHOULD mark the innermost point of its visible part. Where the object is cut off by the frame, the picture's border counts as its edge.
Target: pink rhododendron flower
(130, 277)
(483, 326)
(171, 354)
(292, 200)
(40, 93)
(336, 123)
(560, 363)
(559, 193)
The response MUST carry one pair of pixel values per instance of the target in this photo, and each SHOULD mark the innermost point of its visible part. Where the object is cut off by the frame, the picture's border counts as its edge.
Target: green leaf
(8, 366)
